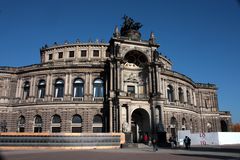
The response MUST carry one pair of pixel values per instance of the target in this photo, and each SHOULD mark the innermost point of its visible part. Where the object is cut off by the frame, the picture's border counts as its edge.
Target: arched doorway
(224, 127)
(140, 124)
(173, 126)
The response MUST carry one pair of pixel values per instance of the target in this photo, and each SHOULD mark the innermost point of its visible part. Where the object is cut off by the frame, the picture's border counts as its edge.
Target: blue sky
(201, 37)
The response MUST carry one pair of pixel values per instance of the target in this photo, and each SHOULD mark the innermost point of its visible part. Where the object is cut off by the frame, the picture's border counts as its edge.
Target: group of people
(173, 141)
(186, 141)
(148, 141)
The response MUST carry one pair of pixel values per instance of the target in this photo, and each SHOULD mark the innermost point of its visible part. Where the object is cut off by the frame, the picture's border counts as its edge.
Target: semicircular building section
(125, 85)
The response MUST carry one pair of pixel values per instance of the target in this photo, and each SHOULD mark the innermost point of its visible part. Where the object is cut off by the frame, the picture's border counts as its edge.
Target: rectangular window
(56, 129)
(50, 57)
(60, 55)
(97, 129)
(107, 54)
(71, 54)
(131, 89)
(83, 53)
(95, 53)
(21, 129)
(76, 129)
(37, 129)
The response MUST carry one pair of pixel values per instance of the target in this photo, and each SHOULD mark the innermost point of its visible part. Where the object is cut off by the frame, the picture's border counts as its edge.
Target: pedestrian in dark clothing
(187, 142)
(154, 143)
(173, 142)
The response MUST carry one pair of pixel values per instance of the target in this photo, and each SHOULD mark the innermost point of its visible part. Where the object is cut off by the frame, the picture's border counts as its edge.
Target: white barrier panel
(229, 138)
(210, 138)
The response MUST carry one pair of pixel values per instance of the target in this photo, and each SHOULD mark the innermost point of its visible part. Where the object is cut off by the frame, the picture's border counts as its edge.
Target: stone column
(89, 54)
(158, 80)
(118, 75)
(50, 85)
(120, 118)
(111, 76)
(90, 87)
(175, 90)
(70, 85)
(150, 79)
(110, 117)
(19, 86)
(86, 84)
(194, 99)
(47, 85)
(31, 88)
(185, 95)
(121, 79)
(66, 85)
(34, 85)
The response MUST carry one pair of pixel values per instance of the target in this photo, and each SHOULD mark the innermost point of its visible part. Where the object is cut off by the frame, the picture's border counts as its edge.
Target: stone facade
(125, 85)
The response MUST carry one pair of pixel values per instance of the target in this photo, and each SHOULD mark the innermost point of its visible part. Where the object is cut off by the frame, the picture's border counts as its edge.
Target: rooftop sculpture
(130, 28)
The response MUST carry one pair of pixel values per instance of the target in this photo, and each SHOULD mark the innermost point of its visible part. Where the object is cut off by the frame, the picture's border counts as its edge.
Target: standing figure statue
(125, 127)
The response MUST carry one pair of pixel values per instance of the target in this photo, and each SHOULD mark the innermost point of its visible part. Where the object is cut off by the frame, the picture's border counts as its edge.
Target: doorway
(140, 124)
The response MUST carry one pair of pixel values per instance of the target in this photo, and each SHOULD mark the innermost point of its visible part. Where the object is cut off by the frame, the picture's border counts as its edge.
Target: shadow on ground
(215, 149)
(208, 156)
(1, 156)
(230, 149)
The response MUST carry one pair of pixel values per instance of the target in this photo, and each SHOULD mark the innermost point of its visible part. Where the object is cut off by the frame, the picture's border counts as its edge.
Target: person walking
(171, 142)
(154, 144)
(145, 139)
(187, 142)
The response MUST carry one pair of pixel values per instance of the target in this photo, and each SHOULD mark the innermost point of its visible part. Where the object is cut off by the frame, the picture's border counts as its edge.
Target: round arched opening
(140, 124)
(136, 57)
(173, 126)
(224, 126)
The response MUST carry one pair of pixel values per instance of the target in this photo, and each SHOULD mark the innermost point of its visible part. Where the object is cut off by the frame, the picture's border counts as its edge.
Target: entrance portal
(140, 124)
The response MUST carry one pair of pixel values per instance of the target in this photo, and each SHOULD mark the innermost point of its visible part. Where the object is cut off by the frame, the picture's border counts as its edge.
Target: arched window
(56, 119)
(26, 90)
(98, 88)
(56, 123)
(170, 93)
(173, 126)
(97, 124)
(78, 87)
(59, 88)
(76, 124)
(41, 88)
(224, 127)
(38, 124)
(21, 124)
(188, 97)
(76, 119)
(181, 95)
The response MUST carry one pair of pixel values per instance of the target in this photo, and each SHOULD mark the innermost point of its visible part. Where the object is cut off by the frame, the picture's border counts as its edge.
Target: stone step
(135, 145)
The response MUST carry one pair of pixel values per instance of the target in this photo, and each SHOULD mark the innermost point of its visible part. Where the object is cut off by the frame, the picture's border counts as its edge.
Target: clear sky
(201, 37)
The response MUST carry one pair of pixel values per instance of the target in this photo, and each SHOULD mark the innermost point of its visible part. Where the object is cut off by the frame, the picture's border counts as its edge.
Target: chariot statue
(130, 28)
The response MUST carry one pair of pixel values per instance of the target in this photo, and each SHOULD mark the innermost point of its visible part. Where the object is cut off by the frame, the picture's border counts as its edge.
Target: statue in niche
(125, 127)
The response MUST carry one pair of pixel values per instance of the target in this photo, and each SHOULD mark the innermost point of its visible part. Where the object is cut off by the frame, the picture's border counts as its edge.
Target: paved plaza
(196, 153)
